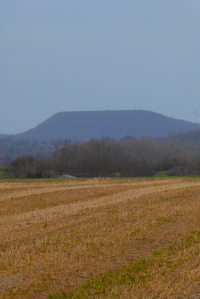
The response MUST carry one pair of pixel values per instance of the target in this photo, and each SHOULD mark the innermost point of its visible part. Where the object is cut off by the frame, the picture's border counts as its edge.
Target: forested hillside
(191, 137)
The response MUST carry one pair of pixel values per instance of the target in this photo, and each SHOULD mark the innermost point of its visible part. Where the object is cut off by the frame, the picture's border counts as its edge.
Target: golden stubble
(49, 249)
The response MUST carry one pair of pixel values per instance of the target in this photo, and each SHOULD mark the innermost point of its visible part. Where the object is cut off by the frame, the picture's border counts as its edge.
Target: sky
(88, 55)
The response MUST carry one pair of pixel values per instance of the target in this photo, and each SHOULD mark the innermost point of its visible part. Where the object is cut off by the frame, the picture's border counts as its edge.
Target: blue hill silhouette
(115, 124)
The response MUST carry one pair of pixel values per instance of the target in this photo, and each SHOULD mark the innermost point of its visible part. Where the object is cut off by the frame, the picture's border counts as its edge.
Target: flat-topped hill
(115, 124)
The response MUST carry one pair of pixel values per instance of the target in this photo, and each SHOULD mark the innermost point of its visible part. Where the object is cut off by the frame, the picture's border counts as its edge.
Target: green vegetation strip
(6, 176)
(139, 273)
(4, 167)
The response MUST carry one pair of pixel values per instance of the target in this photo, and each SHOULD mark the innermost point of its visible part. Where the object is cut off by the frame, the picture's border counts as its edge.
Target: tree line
(127, 157)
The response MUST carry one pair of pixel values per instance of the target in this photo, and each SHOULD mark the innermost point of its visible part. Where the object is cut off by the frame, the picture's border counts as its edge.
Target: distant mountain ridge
(116, 124)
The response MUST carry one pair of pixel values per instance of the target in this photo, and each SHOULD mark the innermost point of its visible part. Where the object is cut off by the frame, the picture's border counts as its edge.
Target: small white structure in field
(67, 176)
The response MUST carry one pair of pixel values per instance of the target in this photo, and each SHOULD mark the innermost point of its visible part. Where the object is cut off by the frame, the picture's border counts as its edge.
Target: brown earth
(55, 234)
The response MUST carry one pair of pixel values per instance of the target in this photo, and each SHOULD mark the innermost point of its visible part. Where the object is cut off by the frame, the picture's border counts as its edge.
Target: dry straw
(56, 234)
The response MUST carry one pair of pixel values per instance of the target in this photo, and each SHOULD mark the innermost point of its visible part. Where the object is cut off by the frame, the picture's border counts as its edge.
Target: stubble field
(100, 238)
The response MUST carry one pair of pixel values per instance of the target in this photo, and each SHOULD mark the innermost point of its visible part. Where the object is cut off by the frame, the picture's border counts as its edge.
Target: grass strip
(140, 273)
(6, 176)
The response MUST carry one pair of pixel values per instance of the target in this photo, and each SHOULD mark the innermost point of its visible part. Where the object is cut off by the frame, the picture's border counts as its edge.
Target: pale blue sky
(75, 55)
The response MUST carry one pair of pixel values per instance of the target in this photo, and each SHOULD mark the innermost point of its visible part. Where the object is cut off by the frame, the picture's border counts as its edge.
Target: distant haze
(97, 55)
(77, 126)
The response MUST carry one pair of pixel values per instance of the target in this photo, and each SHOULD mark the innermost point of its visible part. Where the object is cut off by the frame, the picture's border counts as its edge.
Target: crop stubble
(56, 234)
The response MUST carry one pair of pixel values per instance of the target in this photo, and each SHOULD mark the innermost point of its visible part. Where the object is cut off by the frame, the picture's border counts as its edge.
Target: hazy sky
(75, 55)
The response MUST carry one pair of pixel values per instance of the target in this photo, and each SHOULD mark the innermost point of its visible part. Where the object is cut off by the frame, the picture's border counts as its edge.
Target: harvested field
(100, 238)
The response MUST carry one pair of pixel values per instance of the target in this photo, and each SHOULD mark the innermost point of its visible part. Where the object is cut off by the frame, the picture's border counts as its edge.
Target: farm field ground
(100, 238)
